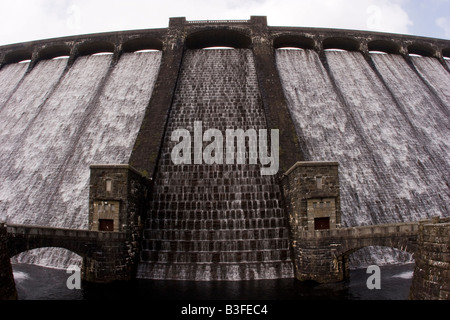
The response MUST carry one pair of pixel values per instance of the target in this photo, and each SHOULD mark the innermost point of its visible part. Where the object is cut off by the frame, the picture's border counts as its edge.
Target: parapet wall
(207, 33)
(364, 41)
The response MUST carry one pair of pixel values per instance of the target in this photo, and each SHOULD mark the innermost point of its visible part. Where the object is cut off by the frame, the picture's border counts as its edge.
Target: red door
(322, 223)
(106, 225)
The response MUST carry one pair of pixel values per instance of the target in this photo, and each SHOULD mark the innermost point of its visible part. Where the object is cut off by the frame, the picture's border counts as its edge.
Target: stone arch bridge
(319, 255)
(322, 255)
(107, 256)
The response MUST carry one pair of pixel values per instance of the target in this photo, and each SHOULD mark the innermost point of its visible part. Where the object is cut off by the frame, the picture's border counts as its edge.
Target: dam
(73, 109)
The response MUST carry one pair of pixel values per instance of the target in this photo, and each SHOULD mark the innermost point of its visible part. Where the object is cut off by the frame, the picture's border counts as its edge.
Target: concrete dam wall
(356, 98)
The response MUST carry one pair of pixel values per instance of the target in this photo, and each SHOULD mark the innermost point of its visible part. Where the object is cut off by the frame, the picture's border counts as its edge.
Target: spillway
(219, 221)
(10, 76)
(388, 133)
(433, 73)
(57, 122)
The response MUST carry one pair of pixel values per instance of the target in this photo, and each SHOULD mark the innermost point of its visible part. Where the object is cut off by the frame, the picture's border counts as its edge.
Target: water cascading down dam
(215, 221)
(55, 123)
(377, 104)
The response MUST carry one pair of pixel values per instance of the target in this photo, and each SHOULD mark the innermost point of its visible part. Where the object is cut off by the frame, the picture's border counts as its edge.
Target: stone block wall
(147, 146)
(311, 190)
(125, 193)
(113, 258)
(7, 285)
(312, 182)
(122, 193)
(272, 94)
(323, 255)
(431, 279)
(315, 260)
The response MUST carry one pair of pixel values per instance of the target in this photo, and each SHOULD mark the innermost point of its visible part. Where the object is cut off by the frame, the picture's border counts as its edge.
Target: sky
(27, 20)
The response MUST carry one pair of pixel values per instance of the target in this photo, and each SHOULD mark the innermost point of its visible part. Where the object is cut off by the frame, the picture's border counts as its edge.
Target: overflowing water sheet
(435, 75)
(30, 176)
(388, 128)
(215, 221)
(59, 122)
(389, 135)
(10, 76)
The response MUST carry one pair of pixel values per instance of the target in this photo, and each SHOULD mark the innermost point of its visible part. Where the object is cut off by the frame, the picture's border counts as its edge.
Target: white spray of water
(392, 148)
(56, 128)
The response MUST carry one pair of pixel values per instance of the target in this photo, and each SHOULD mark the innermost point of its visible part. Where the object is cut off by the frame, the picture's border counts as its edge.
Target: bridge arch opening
(383, 46)
(378, 255)
(390, 274)
(218, 38)
(51, 257)
(20, 56)
(95, 48)
(421, 49)
(293, 42)
(140, 45)
(446, 53)
(43, 272)
(340, 43)
(54, 52)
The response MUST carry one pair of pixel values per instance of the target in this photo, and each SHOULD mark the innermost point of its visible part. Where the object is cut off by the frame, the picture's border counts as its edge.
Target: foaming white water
(389, 135)
(10, 76)
(20, 276)
(435, 75)
(404, 275)
(219, 88)
(59, 123)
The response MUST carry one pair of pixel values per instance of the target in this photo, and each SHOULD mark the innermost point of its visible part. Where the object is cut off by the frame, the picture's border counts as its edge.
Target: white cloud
(24, 20)
(444, 23)
(385, 15)
(74, 16)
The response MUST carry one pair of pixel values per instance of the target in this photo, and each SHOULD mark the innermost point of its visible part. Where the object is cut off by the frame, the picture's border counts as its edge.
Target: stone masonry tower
(311, 191)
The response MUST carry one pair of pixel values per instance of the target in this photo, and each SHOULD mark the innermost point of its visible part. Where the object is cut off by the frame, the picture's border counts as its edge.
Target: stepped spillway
(215, 221)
